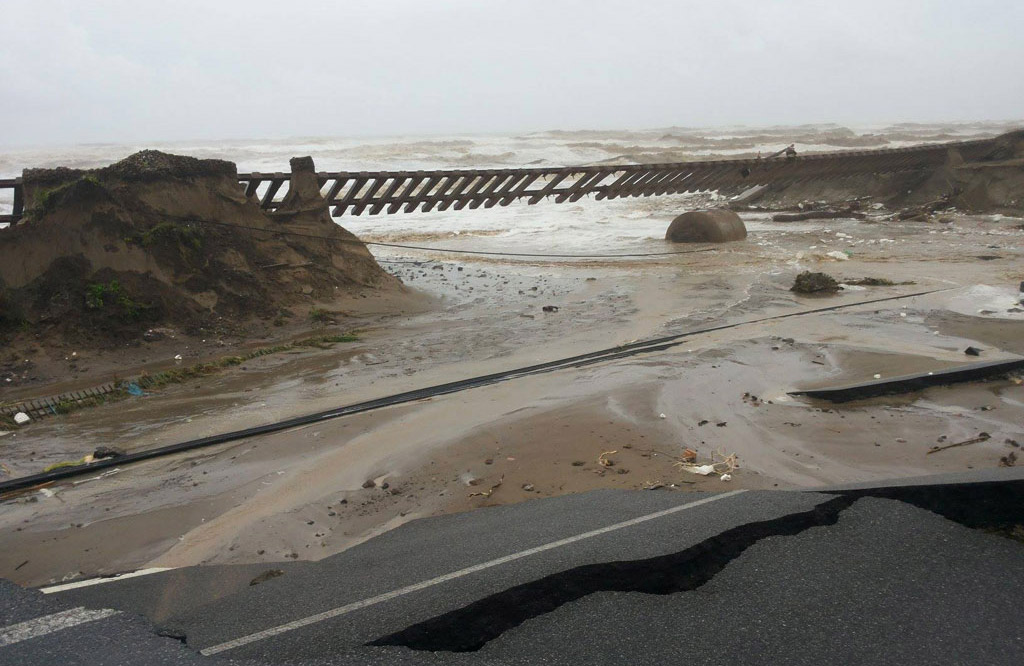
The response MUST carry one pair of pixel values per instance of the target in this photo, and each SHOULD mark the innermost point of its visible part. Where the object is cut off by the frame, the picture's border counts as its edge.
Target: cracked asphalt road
(876, 580)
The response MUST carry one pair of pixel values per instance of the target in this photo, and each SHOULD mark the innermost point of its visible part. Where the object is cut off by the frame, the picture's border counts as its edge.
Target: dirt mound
(160, 239)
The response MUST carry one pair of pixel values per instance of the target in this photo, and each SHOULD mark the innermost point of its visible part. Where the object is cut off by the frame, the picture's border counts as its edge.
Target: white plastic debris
(661, 416)
(726, 477)
(837, 255)
(703, 470)
(177, 357)
(878, 376)
(21, 418)
(47, 492)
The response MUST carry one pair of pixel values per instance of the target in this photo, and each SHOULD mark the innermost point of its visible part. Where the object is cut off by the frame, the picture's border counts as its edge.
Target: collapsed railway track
(390, 192)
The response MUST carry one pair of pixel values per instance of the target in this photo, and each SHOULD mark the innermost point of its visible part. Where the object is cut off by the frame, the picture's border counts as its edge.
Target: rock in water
(706, 226)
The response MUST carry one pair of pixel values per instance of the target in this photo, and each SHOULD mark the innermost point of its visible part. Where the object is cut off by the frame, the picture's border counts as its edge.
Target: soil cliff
(167, 240)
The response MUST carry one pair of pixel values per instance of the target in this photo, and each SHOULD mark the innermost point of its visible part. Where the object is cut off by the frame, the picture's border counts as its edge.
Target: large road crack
(471, 627)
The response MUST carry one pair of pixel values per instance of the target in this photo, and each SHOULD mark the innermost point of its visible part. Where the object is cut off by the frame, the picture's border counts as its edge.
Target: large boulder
(706, 226)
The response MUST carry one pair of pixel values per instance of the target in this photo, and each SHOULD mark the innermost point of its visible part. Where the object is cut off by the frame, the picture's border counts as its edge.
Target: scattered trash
(815, 283)
(651, 485)
(689, 455)
(726, 477)
(265, 576)
(528, 487)
(973, 351)
(134, 389)
(550, 308)
(603, 461)
(369, 483)
(838, 255)
(490, 491)
(177, 357)
(982, 436)
(46, 492)
(21, 418)
(1009, 460)
(720, 464)
(662, 416)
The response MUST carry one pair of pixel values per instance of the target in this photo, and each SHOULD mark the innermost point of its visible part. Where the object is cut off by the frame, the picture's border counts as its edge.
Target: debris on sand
(21, 418)
(604, 461)
(848, 212)
(973, 351)
(490, 491)
(982, 437)
(720, 464)
(874, 282)
(815, 283)
(1009, 460)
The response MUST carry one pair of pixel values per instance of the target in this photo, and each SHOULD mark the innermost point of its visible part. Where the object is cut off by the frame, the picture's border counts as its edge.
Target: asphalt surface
(602, 577)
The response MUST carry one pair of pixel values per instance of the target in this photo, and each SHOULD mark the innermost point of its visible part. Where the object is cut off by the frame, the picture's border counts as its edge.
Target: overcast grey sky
(144, 70)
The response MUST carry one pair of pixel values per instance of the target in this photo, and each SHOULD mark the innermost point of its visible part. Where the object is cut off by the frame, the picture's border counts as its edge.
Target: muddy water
(299, 494)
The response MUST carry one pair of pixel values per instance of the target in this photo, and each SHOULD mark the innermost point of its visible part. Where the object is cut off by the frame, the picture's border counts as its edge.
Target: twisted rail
(376, 192)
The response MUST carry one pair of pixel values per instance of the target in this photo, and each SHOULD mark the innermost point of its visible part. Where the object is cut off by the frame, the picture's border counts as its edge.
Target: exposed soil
(161, 247)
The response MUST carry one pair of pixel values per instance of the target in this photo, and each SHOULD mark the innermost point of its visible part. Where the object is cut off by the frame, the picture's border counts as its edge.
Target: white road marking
(342, 610)
(41, 626)
(100, 581)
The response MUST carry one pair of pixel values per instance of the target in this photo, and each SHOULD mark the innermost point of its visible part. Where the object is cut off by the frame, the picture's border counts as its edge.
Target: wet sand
(300, 495)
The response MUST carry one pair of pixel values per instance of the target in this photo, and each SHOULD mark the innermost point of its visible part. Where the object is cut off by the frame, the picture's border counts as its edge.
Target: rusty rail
(377, 192)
